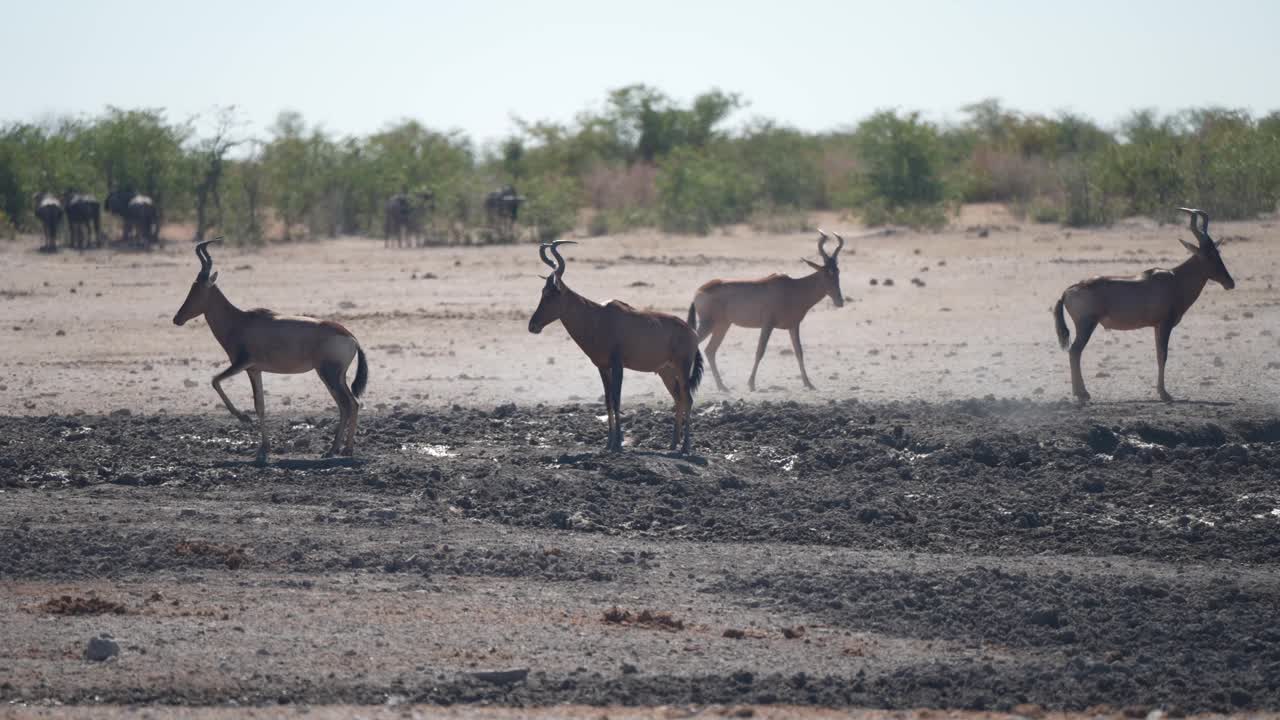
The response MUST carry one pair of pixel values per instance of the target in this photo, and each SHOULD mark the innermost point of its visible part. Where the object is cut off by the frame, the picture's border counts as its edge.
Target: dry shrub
(1006, 176)
(68, 605)
(644, 619)
(617, 187)
(231, 556)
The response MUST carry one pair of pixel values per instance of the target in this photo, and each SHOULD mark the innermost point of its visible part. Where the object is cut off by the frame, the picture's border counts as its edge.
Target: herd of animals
(403, 217)
(83, 214)
(617, 337)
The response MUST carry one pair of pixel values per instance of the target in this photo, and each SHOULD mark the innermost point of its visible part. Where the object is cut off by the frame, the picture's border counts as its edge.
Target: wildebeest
(84, 215)
(139, 214)
(49, 209)
(403, 217)
(501, 208)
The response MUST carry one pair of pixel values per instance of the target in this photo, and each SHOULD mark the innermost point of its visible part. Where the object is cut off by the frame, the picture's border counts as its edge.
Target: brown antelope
(776, 301)
(1156, 298)
(617, 336)
(258, 341)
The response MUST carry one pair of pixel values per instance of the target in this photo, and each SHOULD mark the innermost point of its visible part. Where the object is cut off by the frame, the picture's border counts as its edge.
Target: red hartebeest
(617, 336)
(776, 301)
(258, 341)
(1156, 298)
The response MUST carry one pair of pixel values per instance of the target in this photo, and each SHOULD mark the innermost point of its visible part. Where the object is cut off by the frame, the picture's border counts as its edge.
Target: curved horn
(202, 253)
(554, 251)
(1194, 213)
(542, 253)
(822, 240)
(839, 247)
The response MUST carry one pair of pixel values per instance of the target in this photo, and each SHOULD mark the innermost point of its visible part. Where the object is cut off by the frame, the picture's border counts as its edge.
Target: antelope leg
(764, 342)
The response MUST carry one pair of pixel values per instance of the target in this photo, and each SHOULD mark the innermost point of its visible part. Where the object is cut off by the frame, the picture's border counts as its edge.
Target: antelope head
(553, 290)
(829, 269)
(1206, 249)
(198, 298)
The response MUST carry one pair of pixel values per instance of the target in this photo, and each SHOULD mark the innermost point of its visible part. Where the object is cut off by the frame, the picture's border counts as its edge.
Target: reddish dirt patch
(70, 605)
(643, 619)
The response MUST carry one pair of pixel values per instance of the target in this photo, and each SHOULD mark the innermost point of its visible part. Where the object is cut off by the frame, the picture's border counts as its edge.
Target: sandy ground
(93, 332)
(903, 546)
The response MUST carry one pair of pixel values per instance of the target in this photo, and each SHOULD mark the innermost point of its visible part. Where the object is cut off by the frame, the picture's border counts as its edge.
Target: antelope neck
(1190, 277)
(222, 316)
(813, 289)
(579, 316)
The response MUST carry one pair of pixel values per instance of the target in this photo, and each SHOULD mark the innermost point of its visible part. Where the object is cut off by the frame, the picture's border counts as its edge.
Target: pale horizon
(474, 69)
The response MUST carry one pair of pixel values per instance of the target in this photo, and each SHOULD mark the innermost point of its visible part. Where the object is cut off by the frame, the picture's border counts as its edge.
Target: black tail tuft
(695, 374)
(1064, 335)
(693, 317)
(362, 373)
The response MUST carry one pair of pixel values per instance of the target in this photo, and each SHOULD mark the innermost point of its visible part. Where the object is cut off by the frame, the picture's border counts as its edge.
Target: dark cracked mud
(977, 554)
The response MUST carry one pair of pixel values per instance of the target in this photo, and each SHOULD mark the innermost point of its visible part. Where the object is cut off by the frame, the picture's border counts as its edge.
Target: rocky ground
(978, 555)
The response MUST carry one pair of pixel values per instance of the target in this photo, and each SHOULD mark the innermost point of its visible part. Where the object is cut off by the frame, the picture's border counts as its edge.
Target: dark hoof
(260, 460)
(347, 452)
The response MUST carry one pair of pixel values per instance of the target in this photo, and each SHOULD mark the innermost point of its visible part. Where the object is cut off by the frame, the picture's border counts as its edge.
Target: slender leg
(1163, 331)
(671, 378)
(1084, 329)
(688, 416)
(353, 414)
(333, 380)
(260, 406)
(764, 342)
(615, 374)
(717, 337)
(236, 367)
(795, 345)
(606, 379)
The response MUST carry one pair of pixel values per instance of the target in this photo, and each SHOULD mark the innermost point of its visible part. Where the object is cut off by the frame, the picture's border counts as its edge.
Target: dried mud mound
(1175, 482)
(1117, 554)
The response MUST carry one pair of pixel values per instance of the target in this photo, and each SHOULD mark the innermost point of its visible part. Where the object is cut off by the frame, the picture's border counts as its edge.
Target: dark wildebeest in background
(139, 215)
(49, 209)
(84, 215)
(403, 217)
(501, 208)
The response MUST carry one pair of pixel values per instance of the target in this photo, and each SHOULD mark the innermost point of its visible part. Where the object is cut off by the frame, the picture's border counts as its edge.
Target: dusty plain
(935, 527)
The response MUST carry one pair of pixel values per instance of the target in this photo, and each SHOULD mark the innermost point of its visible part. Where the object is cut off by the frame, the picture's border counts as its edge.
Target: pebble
(101, 648)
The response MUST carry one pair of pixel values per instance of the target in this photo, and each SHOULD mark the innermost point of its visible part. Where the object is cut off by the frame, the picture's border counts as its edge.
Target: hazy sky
(354, 67)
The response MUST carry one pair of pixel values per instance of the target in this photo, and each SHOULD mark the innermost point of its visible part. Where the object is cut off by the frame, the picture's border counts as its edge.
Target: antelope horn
(838, 247)
(202, 253)
(553, 246)
(542, 253)
(1202, 233)
(822, 240)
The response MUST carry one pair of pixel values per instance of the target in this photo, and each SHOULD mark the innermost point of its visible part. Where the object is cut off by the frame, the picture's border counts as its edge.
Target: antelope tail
(1064, 335)
(693, 317)
(362, 373)
(695, 373)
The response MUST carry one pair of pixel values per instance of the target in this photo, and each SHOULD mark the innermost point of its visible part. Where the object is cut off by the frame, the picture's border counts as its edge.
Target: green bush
(551, 206)
(700, 189)
(899, 176)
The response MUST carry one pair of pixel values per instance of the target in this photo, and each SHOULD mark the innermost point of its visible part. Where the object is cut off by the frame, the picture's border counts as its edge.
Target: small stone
(61, 333)
(101, 648)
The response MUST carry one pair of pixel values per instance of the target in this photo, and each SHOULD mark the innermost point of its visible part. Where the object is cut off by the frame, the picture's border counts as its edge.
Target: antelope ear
(559, 282)
(812, 264)
(1195, 249)
(213, 278)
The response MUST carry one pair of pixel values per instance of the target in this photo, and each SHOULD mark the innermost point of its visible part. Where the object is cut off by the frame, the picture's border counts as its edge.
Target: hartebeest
(616, 336)
(258, 341)
(1156, 298)
(49, 209)
(776, 301)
